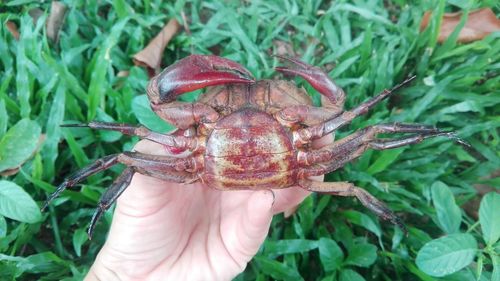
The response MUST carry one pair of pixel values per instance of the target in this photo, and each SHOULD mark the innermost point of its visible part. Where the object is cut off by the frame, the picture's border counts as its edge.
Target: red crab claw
(315, 76)
(193, 73)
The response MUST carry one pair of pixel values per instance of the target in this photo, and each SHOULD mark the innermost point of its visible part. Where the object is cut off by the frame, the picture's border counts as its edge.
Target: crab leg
(99, 165)
(179, 167)
(305, 135)
(316, 77)
(189, 74)
(109, 197)
(348, 189)
(172, 142)
(336, 155)
(122, 182)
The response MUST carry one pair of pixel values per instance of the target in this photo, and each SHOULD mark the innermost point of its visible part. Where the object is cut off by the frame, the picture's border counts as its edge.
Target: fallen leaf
(283, 48)
(123, 73)
(35, 14)
(55, 20)
(185, 23)
(479, 24)
(10, 172)
(471, 207)
(150, 57)
(12, 28)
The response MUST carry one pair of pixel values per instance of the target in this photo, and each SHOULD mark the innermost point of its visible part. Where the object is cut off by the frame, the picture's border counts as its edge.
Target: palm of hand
(164, 231)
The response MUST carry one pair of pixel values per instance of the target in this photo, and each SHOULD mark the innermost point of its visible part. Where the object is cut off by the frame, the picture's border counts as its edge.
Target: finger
(251, 226)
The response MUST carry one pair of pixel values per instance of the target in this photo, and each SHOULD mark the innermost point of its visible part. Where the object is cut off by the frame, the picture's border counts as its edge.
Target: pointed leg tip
(44, 207)
(399, 223)
(89, 234)
(451, 135)
(409, 79)
(90, 230)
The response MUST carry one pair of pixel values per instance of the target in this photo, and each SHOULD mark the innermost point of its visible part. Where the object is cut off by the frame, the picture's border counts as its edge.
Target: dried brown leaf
(35, 14)
(471, 207)
(283, 48)
(9, 172)
(12, 28)
(479, 24)
(150, 57)
(123, 73)
(55, 20)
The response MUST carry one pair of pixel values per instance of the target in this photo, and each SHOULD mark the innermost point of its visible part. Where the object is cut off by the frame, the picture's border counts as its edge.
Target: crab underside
(247, 134)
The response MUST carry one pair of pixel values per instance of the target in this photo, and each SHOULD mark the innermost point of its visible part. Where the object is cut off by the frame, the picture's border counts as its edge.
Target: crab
(247, 134)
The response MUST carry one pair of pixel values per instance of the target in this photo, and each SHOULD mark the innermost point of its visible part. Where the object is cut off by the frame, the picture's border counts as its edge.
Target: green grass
(365, 45)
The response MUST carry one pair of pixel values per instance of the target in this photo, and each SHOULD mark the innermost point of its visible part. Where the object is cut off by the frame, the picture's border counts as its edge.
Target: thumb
(255, 220)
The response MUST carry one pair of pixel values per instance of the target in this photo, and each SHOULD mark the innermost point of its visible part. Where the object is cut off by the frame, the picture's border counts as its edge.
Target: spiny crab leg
(306, 135)
(337, 154)
(316, 77)
(164, 167)
(109, 197)
(174, 143)
(349, 189)
(193, 73)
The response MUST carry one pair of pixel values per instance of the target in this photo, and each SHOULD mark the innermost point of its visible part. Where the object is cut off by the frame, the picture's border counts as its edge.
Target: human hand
(170, 231)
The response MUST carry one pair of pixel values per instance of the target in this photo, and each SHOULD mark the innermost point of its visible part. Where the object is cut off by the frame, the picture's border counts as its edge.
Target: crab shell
(248, 148)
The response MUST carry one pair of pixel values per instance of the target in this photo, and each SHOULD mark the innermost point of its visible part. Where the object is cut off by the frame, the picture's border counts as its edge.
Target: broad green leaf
(277, 269)
(489, 217)
(42, 263)
(146, 116)
(18, 144)
(330, 254)
(446, 255)
(448, 213)
(363, 220)
(350, 275)
(3, 227)
(79, 238)
(290, 246)
(362, 255)
(16, 204)
(495, 275)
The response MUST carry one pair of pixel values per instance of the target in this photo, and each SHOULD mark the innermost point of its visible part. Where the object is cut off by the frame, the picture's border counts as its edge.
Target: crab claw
(315, 76)
(193, 73)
